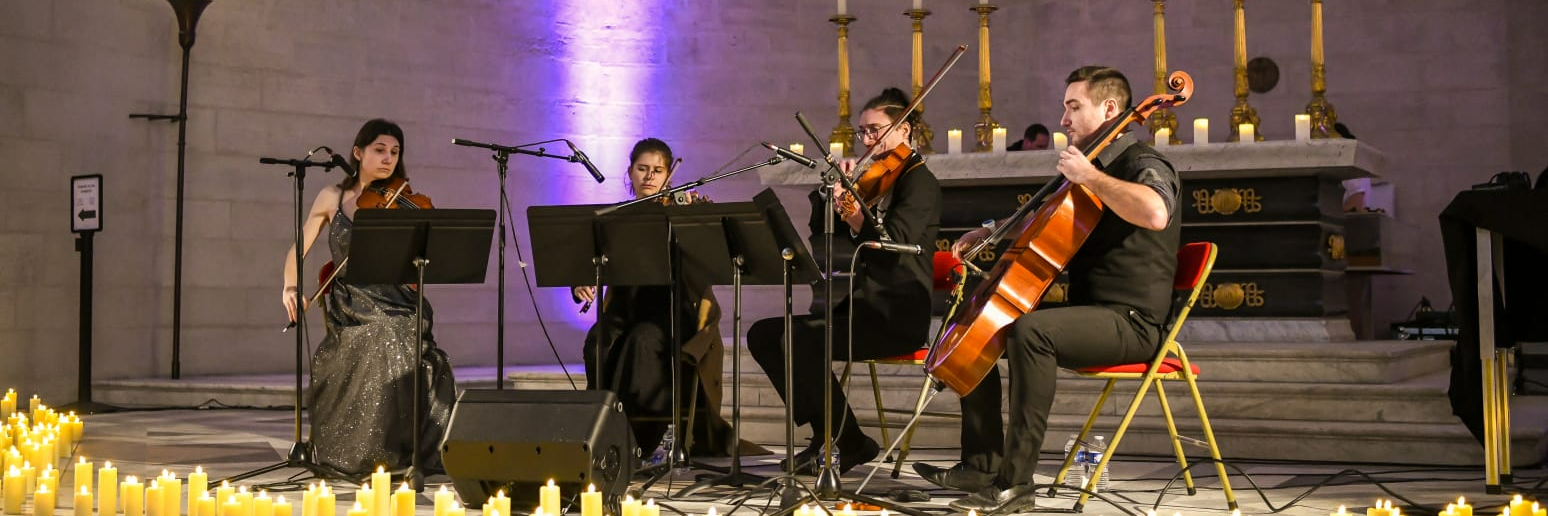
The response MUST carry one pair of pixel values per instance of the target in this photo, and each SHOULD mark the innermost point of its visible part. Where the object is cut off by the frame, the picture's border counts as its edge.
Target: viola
(877, 180)
(1046, 232)
(684, 198)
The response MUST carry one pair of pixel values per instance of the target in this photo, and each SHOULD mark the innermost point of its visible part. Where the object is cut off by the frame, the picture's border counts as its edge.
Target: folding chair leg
(1123, 426)
(1069, 458)
(881, 412)
(1209, 434)
(1171, 430)
(908, 436)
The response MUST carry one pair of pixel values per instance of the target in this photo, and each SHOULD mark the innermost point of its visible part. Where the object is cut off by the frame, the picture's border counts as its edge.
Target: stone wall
(1430, 83)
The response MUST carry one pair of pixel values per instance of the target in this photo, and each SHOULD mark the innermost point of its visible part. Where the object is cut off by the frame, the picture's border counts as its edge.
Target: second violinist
(361, 398)
(891, 299)
(634, 361)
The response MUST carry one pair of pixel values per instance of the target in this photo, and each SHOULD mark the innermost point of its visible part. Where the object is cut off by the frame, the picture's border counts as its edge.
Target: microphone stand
(300, 451)
(501, 157)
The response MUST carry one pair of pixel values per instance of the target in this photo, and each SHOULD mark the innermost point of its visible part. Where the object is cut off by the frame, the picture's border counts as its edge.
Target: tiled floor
(230, 441)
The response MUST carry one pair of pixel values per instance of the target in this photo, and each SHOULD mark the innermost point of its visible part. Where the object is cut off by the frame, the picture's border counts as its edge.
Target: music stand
(396, 247)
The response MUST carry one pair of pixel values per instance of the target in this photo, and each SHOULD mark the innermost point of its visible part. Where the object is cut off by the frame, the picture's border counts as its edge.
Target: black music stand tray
(399, 247)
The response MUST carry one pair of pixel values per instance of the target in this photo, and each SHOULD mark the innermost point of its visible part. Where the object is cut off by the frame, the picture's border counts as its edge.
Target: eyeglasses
(870, 131)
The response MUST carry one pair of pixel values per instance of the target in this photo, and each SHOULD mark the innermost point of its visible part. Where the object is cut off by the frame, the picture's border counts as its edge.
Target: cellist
(891, 301)
(1120, 293)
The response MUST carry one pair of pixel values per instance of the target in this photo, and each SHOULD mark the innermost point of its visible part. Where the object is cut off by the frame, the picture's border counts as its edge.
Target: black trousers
(873, 338)
(1036, 346)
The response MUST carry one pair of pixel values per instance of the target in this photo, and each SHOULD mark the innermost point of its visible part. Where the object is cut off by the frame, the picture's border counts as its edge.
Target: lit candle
(43, 502)
(630, 507)
(77, 427)
(31, 474)
(1163, 137)
(8, 403)
(457, 510)
(171, 495)
(326, 504)
(502, 503)
(308, 500)
(204, 505)
(15, 487)
(798, 148)
(198, 486)
(222, 493)
(107, 489)
(954, 141)
(1060, 141)
(998, 139)
(381, 488)
(244, 500)
(650, 508)
(591, 501)
(836, 149)
(83, 472)
(1518, 506)
(263, 505)
(365, 498)
(32, 406)
(849, 510)
(49, 478)
(281, 507)
(357, 510)
(152, 499)
(443, 501)
(230, 507)
(843, 7)
(403, 501)
(1200, 131)
(1248, 133)
(1538, 511)
(134, 497)
(83, 501)
(549, 497)
(1302, 127)
(918, 6)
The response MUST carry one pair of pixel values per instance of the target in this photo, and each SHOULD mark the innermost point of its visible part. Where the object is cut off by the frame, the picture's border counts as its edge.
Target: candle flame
(551, 484)
(650, 503)
(592, 488)
(86, 490)
(359, 507)
(107, 465)
(280, 500)
(197, 469)
(380, 469)
(83, 459)
(405, 486)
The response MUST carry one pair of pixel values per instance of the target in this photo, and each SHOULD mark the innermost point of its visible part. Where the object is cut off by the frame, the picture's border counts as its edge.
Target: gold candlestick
(1242, 113)
(922, 132)
(1321, 112)
(1162, 118)
(843, 133)
(983, 130)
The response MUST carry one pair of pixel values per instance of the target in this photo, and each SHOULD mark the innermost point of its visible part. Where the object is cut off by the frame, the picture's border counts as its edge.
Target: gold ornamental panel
(1230, 296)
(1336, 247)
(1023, 199)
(1226, 201)
(943, 244)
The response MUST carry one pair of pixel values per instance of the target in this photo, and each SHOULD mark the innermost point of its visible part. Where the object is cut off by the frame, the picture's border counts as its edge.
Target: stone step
(1362, 362)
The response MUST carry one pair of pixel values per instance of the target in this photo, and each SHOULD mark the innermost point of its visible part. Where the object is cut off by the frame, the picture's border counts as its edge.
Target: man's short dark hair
(1102, 83)
(1034, 130)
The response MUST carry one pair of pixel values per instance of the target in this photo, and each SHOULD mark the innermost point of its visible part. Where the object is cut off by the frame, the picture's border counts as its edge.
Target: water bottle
(1099, 450)
(1077, 474)
(833, 460)
(664, 450)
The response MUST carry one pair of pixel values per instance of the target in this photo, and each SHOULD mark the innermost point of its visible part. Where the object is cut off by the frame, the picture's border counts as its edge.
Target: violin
(684, 198)
(393, 192)
(877, 180)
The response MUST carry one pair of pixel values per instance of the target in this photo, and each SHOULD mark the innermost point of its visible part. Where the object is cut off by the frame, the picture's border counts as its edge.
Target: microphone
(893, 247)
(791, 155)
(343, 164)
(581, 157)
(800, 118)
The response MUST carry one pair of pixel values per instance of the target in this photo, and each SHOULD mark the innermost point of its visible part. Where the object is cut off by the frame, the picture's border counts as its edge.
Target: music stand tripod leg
(734, 477)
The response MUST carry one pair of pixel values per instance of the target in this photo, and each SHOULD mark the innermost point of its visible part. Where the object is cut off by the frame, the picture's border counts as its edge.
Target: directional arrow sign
(86, 203)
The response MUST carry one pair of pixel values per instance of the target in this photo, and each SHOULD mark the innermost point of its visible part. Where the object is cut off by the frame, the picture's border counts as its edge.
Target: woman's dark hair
(892, 102)
(368, 134)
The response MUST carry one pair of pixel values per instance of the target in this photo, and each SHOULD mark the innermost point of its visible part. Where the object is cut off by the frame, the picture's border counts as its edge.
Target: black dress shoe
(805, 459)
(992, 500)
(961, 477)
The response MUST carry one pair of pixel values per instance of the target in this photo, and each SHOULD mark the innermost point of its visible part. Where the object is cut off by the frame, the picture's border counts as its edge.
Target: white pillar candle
(1163, 137)
(954, 141)
(1302, 127)
(1060, 141)
(798, 148)
(999, 139)
(836, 149)
(918, 5)
(843, 7)
(1248, 133)
(1200, 131)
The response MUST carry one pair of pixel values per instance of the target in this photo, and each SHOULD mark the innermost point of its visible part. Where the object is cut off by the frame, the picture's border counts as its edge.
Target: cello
(1046, 232)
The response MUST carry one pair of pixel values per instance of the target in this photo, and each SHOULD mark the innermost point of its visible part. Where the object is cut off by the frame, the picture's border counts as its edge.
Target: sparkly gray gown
(362, 386)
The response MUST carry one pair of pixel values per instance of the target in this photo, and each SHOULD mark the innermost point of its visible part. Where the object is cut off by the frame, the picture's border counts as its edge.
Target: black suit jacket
(892, 287)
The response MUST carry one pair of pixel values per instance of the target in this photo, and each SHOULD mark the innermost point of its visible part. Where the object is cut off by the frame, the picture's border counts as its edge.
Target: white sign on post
(86, 203)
